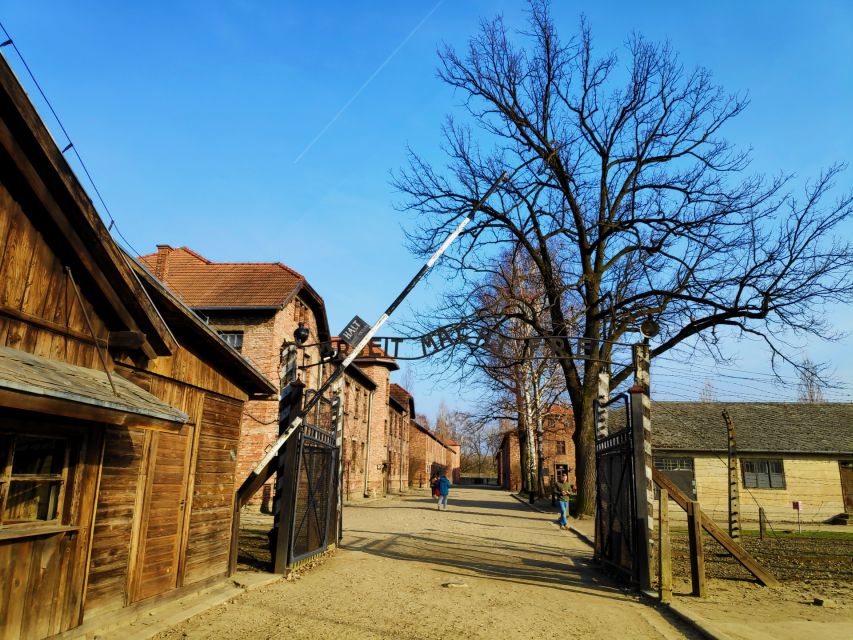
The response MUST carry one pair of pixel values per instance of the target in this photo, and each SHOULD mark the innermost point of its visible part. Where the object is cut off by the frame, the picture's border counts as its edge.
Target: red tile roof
(371, 353)
(400, 394)
(201, 283)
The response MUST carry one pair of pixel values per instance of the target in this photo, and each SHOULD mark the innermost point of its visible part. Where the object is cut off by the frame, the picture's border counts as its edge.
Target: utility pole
(734, 494)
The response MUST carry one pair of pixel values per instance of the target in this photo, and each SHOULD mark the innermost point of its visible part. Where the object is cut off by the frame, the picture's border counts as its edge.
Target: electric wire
(70, 146)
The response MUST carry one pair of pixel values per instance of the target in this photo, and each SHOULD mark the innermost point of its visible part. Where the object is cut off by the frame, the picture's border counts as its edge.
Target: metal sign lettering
(437, 340)
(354, 331)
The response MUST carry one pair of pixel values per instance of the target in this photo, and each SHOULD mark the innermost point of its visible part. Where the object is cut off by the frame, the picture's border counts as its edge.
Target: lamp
(301, 334)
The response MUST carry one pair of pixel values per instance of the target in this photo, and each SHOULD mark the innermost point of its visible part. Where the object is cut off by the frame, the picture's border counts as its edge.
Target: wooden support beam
(697, 552)
(740, 554)
(126, 340)
(664, 550)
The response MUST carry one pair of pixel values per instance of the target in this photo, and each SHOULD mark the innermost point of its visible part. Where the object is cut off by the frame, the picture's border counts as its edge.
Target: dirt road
(488, 567)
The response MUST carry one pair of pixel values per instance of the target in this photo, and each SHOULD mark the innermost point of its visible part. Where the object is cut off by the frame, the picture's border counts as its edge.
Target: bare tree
(445, 422)
(708, 393)
(627, 199)
(479, 445)
(811, 383)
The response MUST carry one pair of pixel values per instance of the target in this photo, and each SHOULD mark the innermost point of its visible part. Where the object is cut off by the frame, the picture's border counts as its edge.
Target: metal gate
(315, 496)
(306, 497)
(616, 501)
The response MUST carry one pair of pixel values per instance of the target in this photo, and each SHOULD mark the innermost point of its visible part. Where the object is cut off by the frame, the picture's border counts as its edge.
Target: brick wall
(453, 460)
(356, 400)
(264, 334)
(377, 458)
(558, 446)
(509, 463)
(419, 472)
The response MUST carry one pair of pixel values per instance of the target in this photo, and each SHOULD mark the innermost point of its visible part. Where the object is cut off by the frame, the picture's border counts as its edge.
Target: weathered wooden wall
(42, 568)
(165, 519)
(163, 513)
(39, 312)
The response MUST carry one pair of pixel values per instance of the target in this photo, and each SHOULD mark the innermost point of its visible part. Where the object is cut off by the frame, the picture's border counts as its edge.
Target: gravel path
(488, 567)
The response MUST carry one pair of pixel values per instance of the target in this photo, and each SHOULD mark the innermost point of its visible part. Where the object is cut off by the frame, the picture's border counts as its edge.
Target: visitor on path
(433, 485)
(443, 489)
(563, 490)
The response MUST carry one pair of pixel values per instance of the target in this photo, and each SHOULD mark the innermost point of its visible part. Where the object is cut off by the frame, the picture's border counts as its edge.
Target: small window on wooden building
(233, 339)
(763, 474)
(561, 447)
(33, 472)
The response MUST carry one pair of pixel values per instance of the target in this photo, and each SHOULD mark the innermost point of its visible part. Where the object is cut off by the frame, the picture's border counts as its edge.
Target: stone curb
(684, 614)
(580, 534)
(526, 502)
(696, 622)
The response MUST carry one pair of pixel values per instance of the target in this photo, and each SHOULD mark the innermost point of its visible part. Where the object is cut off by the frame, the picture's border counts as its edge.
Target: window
(561, 447)
(763, 474)
(680, 472)
(233, 339)
(674, 464)
(32, 478)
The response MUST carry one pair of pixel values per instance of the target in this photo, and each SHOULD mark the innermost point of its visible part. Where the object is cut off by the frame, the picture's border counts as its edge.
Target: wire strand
(70, 146)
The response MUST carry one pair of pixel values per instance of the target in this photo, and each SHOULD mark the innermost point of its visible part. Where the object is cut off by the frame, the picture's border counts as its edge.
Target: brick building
(454, 459)
(377, 366)
(508, 460)
(558, 450)
(255, 307)
(428, 455)
(359, 393)
(402, 414)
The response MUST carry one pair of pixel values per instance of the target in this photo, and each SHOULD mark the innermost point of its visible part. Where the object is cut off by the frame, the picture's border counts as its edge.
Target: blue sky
(197, 118)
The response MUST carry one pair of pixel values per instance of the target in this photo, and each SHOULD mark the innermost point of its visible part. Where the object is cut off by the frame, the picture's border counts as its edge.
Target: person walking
(433, 486)
(563, 490)
(443, 489)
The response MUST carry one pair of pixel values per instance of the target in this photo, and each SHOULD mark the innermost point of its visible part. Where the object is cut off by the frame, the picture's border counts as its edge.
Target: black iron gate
(315, 496)
(616, 500)
(306, 496)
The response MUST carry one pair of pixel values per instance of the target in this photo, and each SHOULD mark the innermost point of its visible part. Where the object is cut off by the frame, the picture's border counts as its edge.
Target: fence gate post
(697, 551)
(664, 549)
(338, 427)
(601, 431)
(641, 425)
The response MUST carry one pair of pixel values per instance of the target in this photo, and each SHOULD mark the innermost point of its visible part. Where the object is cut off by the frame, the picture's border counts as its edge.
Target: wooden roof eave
(33, 383)
(70, 210)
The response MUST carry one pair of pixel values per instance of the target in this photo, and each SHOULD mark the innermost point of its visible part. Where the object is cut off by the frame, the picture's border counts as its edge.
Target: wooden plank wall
(108, 568)
(39, 313)
(42, 576)
(180, 490)
(162, 522)
(213, 494)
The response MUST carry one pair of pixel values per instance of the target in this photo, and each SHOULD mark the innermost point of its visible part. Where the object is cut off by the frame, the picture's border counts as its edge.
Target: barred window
(561, 447)
(674, 464)
(763, 474)
(233, 339)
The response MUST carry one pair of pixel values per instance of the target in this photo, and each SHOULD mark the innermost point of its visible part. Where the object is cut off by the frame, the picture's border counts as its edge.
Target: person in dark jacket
(563, 490)
(443, 489)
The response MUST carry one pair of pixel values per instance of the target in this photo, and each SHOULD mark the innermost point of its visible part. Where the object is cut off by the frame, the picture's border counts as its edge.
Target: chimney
(163, 252)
